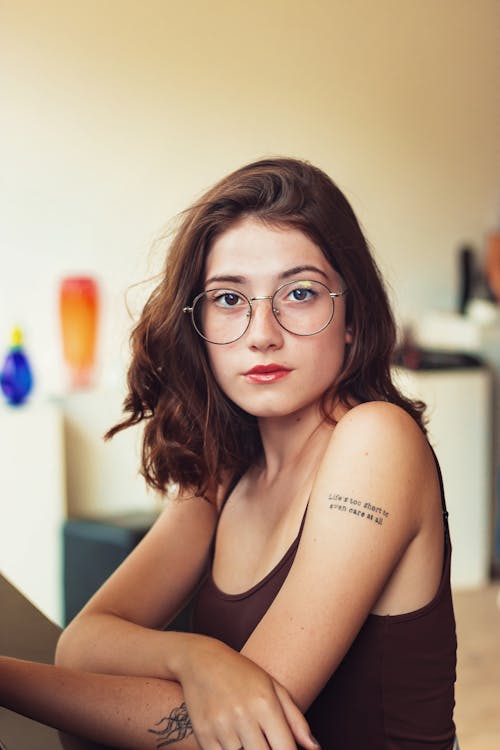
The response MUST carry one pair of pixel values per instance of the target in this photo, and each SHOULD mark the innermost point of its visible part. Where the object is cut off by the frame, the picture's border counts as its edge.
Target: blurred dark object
(475, 281)
(465, 277)
(93, 549)
(408, 355)
(434, 359)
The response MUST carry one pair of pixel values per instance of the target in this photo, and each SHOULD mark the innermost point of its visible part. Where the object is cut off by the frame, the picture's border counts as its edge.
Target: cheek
(330, 344)
(222, 362)
(327, 357)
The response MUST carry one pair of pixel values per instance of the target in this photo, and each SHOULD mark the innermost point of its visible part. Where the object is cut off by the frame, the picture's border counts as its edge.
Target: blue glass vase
(16, 378)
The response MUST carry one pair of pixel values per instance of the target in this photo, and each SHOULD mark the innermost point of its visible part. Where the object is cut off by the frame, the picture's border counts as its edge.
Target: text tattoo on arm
(173, 728)
(357, 508)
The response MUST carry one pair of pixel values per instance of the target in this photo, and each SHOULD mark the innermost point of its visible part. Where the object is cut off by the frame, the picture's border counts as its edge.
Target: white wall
(115, 115)
(464, 457)
(32, 503)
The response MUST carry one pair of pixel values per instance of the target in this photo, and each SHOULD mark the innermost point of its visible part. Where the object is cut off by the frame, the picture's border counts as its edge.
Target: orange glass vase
(79, 317)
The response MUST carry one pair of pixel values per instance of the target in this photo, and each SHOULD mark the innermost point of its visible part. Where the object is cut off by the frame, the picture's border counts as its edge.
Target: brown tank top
(394, 689)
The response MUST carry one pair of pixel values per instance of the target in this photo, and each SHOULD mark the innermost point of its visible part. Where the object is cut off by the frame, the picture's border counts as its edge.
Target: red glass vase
(79, 317)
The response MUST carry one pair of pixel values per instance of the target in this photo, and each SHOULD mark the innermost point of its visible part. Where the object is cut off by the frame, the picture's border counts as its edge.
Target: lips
(263, 369)
(266, 373)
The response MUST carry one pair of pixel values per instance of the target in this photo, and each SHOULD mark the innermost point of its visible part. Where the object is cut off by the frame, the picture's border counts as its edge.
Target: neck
(287, 441)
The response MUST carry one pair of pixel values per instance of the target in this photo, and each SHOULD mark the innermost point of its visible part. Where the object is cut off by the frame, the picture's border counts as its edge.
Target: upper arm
(155, 580)
(348, 550)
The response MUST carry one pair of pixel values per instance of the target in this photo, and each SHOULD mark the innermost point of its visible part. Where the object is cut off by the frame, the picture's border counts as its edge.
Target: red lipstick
(266, 373)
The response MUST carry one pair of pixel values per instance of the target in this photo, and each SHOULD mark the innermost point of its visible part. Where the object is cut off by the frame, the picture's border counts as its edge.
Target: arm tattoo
(357, 508)
(176, 727)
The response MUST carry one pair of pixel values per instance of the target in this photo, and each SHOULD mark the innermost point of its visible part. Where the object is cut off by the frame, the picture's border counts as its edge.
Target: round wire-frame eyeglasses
(301, 284)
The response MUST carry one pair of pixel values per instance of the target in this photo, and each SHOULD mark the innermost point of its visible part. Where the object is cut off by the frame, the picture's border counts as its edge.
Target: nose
(264, 331)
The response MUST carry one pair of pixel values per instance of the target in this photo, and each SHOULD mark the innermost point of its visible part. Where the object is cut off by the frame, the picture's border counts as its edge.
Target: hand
(233, 703)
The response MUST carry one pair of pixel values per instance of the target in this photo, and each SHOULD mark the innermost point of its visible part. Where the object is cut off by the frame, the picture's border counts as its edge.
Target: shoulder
(379, 430)
(377, 450)
(375, 419)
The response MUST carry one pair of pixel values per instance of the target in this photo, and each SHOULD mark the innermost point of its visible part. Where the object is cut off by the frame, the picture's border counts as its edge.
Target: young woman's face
(270, 372)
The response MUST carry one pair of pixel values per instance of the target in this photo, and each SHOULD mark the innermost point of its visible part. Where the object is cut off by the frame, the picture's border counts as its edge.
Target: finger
(253, 737)
(205, 736)
(275, 726)
(229, 739)
(296, 720)
(207, 741)
(246, 731)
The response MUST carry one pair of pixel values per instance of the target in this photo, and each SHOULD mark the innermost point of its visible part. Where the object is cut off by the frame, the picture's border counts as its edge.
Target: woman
(310, 515)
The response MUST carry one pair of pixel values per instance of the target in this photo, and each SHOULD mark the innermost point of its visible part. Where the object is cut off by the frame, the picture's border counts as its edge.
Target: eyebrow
(230, 279)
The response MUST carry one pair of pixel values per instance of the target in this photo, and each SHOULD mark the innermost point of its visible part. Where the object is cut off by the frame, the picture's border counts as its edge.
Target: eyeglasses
(223, 315)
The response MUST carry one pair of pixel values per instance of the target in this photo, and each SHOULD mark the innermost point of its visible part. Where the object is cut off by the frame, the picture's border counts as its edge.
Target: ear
(348, 335)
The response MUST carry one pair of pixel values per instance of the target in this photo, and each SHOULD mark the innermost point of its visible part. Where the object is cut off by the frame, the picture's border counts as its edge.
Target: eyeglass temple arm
(338, 294)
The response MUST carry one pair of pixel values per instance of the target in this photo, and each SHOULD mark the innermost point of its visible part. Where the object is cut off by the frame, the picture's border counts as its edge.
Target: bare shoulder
(378, 450)
(375, 420)
(381, 431)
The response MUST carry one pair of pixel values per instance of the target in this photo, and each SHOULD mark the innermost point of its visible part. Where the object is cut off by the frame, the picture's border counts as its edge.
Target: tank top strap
(232, 484)
(303, 519)
(441, 488)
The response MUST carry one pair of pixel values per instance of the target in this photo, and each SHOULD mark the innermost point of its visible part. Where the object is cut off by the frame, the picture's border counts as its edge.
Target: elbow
(69, 649)
(62, 656)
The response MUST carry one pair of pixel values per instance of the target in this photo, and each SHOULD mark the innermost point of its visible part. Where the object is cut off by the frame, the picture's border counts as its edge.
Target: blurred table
(25, 633)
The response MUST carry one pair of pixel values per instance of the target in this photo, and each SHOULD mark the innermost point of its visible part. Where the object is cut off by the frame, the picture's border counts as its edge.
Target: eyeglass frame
(275, 312)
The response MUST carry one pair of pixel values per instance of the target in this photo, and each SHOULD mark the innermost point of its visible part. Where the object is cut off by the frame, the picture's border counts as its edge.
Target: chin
(276, 410)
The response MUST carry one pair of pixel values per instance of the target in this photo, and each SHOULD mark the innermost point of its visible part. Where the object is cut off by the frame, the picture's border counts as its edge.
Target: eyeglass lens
(301, 307)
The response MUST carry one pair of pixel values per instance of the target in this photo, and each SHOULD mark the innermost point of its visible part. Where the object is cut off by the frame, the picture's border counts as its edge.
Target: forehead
(252, 249)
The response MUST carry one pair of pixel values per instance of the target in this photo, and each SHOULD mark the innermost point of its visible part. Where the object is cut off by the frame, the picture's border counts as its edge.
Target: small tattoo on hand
(177, 727)
(357, 508)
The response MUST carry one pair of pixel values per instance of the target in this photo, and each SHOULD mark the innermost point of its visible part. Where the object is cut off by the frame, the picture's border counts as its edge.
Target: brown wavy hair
(193, 433)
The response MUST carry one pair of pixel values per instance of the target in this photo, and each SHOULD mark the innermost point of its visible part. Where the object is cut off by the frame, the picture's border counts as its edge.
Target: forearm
(107, 643)
(229, 696)
(119, 711)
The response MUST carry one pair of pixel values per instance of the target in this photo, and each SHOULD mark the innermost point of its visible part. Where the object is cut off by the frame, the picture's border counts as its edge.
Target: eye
(301, 294)
(226, 299)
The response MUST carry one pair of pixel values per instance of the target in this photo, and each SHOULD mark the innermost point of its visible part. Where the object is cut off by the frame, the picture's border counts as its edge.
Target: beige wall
(116, 114)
